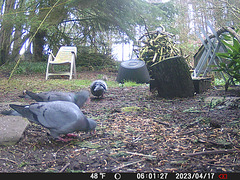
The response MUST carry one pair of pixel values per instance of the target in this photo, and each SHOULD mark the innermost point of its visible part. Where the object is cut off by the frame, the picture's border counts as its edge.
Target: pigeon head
(98, 87)
(92, 124)
(81, 97)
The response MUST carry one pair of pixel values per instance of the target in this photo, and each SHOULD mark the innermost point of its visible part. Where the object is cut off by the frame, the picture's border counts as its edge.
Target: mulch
(137, 132)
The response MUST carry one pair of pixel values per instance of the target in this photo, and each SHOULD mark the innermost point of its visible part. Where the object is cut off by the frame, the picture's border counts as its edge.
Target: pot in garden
(133, 70)
(172, 78)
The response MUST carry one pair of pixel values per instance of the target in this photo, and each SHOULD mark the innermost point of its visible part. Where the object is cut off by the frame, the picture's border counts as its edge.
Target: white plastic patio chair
(65, 55)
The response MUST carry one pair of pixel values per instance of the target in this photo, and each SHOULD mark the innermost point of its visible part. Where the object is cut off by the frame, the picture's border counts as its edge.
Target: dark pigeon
(78, 98)
(59, 117)
(98, 88)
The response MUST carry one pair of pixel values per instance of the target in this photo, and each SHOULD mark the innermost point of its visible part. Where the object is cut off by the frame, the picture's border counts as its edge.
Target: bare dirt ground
(137, 132)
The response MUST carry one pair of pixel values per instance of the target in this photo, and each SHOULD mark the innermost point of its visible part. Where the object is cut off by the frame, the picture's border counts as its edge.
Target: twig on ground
(213, 152)
(159, 122)
(140, 154)
(64, 167)
(229, 145)
(186, 133)
(128, 164)
(5, 159)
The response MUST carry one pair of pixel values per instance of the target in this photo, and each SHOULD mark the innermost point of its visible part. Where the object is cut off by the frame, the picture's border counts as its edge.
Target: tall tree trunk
(5, 32)
(17, 44)
(38, 45)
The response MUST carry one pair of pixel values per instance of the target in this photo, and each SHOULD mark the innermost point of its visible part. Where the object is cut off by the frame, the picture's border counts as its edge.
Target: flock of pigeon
(60, 112)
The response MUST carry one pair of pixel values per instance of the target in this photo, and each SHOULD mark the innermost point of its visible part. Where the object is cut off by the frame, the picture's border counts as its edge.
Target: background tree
(194, 14)
(93, 24)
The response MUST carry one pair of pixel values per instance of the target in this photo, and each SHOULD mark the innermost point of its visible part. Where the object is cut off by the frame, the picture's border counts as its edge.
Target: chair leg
(74, 69)
(47, 71)
(71, 71)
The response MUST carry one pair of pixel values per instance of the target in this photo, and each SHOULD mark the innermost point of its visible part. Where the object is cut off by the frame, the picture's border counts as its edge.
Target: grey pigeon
(98, 88)
(78, 98)
(59, 117)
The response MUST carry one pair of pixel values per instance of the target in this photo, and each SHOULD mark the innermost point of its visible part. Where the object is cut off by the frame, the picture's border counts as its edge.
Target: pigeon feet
(88, 100)
(68, 137)
(64, 139)
(71, 135)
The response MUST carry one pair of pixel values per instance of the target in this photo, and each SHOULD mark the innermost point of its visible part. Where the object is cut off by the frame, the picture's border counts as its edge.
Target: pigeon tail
(81, 98)
(25, 112)
(10, 113)
(34, 96)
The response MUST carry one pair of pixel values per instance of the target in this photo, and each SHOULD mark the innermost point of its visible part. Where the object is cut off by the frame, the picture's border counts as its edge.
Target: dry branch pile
(156, 46)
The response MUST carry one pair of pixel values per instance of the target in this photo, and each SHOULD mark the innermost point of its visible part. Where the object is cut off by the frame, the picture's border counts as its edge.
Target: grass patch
(89, 145)
(129, 84)
(36, 84)
(28, 67)
(131, 109)
(31, 76)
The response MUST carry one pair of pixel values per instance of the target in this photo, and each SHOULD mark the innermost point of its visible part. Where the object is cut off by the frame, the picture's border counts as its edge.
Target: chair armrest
(51, 54)
(51, 57)
(74, 54)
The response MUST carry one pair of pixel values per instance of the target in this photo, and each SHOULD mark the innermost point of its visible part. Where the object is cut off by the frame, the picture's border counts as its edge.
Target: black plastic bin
(133, 70)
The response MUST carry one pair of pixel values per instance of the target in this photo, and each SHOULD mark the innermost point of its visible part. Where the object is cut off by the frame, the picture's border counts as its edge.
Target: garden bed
(136, 132)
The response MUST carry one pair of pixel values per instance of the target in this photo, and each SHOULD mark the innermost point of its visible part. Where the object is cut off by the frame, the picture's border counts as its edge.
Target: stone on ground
(11, 129)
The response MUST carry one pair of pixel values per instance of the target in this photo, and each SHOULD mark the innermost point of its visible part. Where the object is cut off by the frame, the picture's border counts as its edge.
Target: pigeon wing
(25, 112)
(59, 96)
(64, 117)
(35, 96)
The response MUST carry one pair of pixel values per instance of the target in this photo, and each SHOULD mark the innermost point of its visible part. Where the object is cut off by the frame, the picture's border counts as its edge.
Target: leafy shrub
(90, 61)
(25, 67)
(231, 65)
(95, 61)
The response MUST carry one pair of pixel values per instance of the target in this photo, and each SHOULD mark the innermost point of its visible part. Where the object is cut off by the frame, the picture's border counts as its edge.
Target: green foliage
(95, 61)
(231, 63)
(157, 14)
(25, 67)
(220, 82)
(85, 61)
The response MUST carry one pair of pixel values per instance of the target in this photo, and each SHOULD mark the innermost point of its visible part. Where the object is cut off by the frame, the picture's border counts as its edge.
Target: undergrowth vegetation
(85, 62)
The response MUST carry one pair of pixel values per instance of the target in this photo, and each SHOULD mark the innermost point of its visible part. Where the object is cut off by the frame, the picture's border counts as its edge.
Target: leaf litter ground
(136, 132)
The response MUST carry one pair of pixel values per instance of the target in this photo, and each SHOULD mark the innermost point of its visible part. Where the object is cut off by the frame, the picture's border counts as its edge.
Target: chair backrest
(65, 54)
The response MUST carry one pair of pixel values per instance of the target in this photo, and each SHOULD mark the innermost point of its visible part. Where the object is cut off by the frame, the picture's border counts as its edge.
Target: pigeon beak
(98, 87)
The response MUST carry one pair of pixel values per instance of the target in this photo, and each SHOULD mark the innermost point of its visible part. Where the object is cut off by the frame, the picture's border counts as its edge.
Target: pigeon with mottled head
(98, 88)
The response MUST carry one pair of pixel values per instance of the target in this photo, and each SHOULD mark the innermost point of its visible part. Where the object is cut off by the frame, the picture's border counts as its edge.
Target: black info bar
(133, 176)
